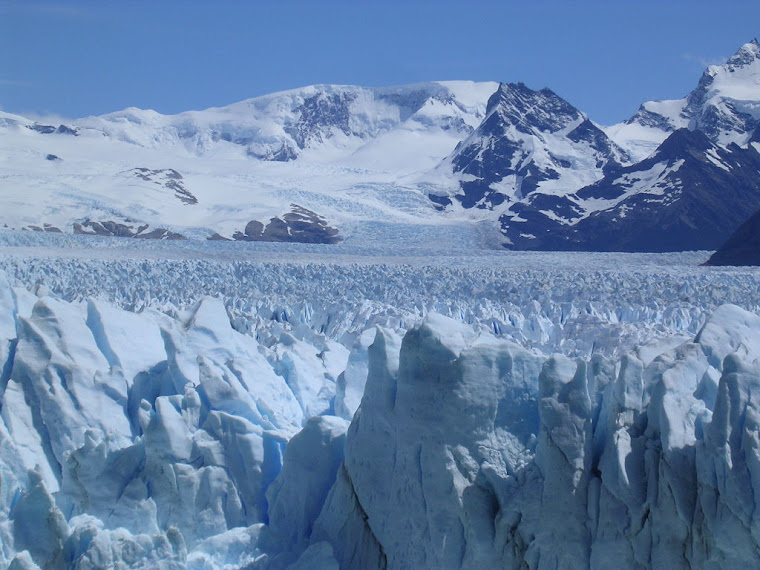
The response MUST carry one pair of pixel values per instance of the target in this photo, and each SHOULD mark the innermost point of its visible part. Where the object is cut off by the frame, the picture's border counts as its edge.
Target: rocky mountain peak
(745, 55)
(725, 105)
(714, 75)
(528, 110)
(529, 142)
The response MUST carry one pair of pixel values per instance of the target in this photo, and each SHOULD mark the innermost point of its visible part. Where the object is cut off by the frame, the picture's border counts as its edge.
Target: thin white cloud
(46, 118)
(703, 61)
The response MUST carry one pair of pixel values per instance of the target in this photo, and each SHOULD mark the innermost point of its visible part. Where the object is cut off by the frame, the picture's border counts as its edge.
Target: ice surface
(640, 465)
(171, 407)
(138, 423)
(298, 495)
(349, 387)
(574, 303)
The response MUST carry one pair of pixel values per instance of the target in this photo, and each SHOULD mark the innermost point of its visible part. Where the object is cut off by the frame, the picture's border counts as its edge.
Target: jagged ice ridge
(324, 414)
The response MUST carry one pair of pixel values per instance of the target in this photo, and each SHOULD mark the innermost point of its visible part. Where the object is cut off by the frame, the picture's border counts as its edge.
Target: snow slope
(341, 152)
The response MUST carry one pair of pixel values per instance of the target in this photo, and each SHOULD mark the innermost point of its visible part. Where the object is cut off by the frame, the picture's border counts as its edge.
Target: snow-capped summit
(530, 141)
(725, 105)
(285, 125)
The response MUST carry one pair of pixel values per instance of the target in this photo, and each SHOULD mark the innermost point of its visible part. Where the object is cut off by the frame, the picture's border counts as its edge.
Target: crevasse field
(439, 405)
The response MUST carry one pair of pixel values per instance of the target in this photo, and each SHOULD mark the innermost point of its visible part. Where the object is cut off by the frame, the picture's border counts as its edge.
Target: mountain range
(325, 163)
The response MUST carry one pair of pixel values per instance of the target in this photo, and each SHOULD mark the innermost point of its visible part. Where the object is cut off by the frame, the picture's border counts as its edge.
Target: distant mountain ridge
(252, 161)
(678, 175)
(527, 161)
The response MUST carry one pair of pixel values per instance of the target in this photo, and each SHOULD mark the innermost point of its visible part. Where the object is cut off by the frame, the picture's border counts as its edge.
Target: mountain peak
(530, 110)
(744, 56)
(724, 106)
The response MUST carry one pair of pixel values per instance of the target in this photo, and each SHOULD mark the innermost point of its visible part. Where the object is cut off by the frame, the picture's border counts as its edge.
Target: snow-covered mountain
(686, 178)
(724, 106)
(320, 156)
(321, 122)
(321, 163)
(529, 142)
(687, 195)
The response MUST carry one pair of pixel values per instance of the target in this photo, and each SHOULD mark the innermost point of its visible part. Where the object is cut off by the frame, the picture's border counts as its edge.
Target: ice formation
(347, 414)
(165, 432)
(470, 452)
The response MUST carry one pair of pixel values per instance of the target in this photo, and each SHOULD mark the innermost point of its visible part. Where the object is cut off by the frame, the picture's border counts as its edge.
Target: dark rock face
(517, 121)
(320, 114)
(299, 225)
(106, 228)
(117, 229)
(283, 153)
(440, 202)
(742, 248)
(755, 138)
(42, 129)
(217, 237)
(167, 178)
(650, 119)
(52, 157)
(49, 129)
(64, 130)
(690, 195)
(160, 233)
(45, 228)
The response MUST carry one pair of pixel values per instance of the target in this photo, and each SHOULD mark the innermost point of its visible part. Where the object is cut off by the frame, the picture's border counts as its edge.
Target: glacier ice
(137, 424)
(297, 496)
(222, 413)
(643, 465)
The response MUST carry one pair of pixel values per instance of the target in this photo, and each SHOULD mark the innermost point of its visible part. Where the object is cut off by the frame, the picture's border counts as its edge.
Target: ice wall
(170, 439)
(470, 452)
(140, 437)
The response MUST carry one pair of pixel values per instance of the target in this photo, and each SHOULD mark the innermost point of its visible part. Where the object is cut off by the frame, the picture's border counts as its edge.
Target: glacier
(296, 406)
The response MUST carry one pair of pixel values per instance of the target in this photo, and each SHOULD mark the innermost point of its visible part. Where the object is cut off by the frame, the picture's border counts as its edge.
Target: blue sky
(79, 58)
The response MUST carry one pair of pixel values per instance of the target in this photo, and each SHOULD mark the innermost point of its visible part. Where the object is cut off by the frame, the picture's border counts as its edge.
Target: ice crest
(167, 437)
